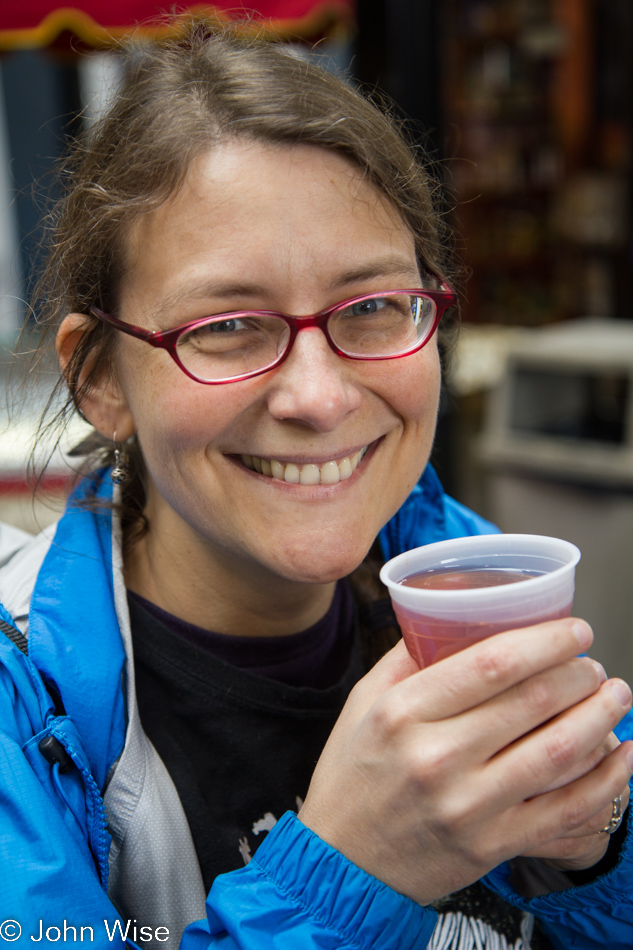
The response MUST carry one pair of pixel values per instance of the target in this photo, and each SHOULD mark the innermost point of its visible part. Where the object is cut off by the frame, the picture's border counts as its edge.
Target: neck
(220, 593)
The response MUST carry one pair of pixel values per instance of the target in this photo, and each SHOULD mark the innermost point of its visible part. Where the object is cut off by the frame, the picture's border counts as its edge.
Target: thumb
(394, 667)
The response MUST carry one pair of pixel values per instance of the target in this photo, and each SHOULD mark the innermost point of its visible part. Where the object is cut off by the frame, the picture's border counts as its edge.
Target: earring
(121, 471)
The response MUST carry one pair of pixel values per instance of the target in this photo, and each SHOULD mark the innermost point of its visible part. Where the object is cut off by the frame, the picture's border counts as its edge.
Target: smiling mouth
(328, 473)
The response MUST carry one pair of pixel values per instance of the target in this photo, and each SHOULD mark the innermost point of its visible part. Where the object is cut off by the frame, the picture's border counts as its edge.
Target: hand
(586, 845)
(431, 778)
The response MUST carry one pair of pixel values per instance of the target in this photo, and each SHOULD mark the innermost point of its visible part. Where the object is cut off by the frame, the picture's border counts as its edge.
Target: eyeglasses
(229, 347)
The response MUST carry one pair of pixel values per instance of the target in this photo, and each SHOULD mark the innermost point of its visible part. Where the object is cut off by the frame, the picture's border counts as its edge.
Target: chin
(322, 567)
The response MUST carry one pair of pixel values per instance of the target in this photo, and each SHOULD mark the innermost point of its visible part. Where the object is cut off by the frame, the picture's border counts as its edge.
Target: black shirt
(240, 747)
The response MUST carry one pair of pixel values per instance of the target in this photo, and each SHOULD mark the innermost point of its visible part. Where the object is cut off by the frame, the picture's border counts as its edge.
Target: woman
(191, 650)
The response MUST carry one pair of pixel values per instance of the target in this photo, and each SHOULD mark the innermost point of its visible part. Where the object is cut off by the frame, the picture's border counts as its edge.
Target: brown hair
(179, 98)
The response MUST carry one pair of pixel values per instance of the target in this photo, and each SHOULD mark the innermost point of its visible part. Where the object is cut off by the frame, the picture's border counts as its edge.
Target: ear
(104, 405)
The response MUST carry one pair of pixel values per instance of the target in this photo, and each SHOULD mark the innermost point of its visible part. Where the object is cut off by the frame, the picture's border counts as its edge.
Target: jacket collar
(74, 634)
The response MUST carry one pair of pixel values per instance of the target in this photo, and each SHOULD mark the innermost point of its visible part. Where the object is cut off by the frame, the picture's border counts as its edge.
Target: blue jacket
(297, 893)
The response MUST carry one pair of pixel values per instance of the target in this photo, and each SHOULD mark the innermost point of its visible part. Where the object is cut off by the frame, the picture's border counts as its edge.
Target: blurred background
(526, 106)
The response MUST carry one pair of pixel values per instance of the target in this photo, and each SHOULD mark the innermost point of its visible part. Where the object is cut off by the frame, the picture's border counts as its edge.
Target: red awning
(99, 23)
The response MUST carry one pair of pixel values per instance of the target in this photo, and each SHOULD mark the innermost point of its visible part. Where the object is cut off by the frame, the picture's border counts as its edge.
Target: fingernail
(621, 692)
(583, 633)
(599, 668)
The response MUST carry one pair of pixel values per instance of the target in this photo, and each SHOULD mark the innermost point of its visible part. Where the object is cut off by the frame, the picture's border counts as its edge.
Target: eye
(225, 326)
(218, 330)
(365, 307)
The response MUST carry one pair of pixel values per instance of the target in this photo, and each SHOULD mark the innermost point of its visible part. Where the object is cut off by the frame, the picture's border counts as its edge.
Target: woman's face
(292, 229)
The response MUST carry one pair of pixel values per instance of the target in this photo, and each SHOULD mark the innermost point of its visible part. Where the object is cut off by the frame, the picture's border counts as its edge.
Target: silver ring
(616, 818)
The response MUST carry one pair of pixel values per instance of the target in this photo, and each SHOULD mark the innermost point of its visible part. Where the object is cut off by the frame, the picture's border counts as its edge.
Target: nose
(313, 386)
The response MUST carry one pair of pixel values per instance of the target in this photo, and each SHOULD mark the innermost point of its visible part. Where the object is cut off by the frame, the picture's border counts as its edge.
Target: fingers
(585, 765)
(574, 854)
(584, 806)
(536, 761)
(486, 669)
(541, 732)
(590, 829)
(528, 677)
(524, 707)
(598, 824)
(586, 843)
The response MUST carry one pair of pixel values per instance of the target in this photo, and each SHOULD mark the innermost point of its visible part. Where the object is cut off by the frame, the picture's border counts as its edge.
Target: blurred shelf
(541, 155)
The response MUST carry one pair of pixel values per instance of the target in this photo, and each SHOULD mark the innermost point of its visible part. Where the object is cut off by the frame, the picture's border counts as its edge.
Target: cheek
(416, 402)
(414, 389)
(176, 417)
(166, 410)
(171, 430)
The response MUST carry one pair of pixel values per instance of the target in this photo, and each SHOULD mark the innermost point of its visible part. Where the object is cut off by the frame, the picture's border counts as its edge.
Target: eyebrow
(209, 288)
(391, 266)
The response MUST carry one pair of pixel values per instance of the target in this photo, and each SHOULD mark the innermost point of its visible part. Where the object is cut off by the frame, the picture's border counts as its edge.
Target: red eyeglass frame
(168, 339)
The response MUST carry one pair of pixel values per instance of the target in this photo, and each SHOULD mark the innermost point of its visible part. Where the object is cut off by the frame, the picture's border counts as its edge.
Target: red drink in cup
(451, 594)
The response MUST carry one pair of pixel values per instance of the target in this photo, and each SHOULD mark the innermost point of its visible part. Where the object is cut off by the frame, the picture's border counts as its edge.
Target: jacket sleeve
(298, 893)
(53, 841)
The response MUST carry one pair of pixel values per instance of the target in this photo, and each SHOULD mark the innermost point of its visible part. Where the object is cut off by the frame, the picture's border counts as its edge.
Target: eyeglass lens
(377, 326)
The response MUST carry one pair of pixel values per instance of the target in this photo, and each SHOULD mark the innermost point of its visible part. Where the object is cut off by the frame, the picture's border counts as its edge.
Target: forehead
(269, 212)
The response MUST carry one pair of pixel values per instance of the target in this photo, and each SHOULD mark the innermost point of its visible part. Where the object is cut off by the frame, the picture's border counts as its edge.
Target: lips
(325, 473)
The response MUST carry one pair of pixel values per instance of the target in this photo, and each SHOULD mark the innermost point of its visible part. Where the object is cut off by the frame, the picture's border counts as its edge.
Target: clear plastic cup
(436, 623)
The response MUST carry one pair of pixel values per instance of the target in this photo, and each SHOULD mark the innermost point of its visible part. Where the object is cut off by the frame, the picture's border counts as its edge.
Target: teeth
(345, 469)
(291, 475)
(330, 473)
(310, 475)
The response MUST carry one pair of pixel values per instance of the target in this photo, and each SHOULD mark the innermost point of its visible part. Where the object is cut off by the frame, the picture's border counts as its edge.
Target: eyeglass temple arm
(152, 336)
